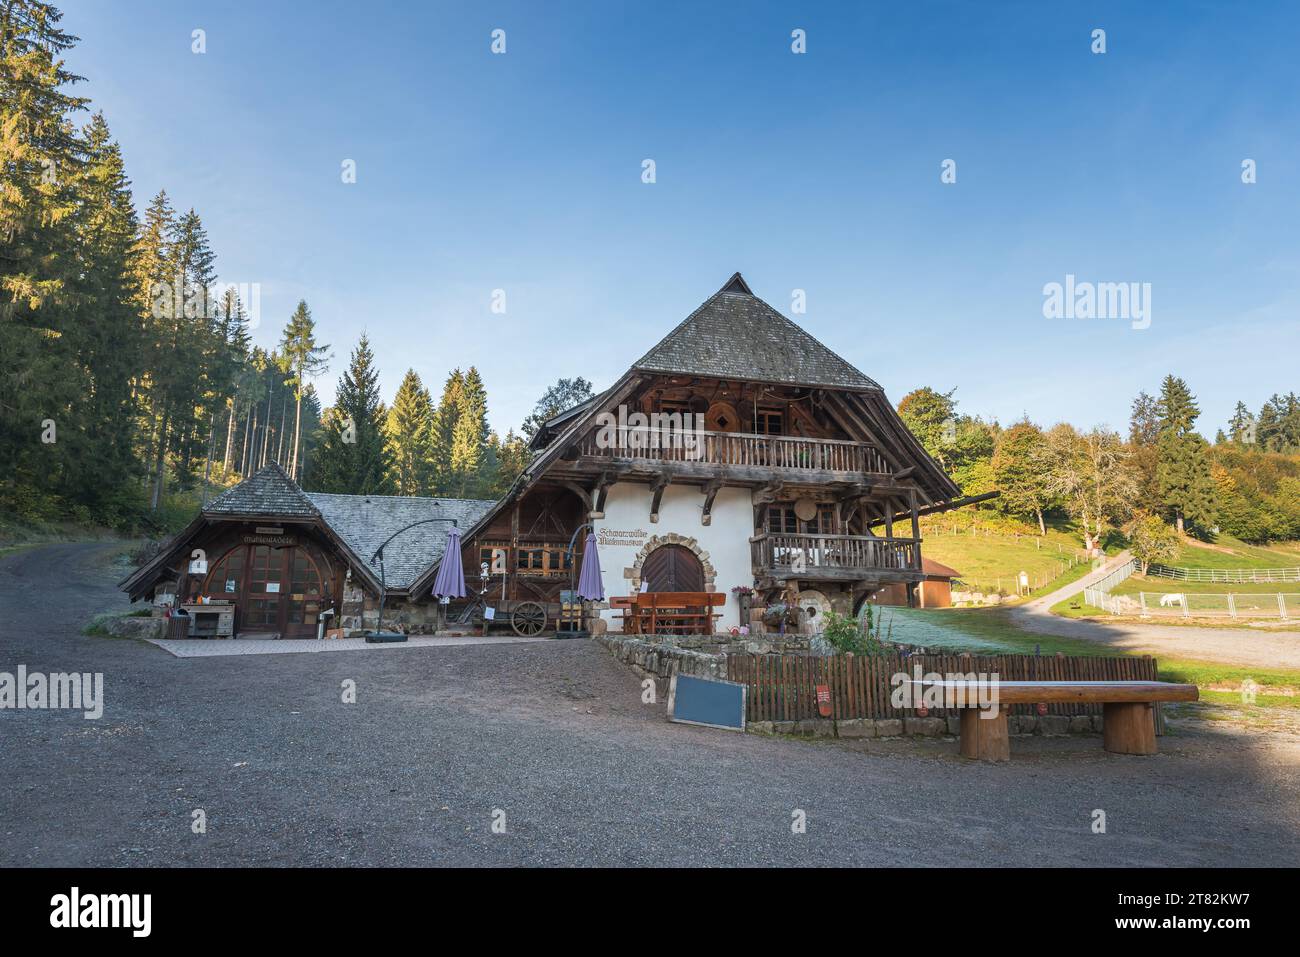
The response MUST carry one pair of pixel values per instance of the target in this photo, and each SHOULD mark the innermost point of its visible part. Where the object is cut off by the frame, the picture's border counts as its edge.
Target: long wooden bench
(1128, 710)
(673, 612)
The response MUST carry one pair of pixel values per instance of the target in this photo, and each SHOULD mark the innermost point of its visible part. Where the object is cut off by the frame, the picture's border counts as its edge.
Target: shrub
(845, 635)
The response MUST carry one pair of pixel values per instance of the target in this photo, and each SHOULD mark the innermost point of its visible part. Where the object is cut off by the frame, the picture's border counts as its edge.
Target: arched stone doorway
(636, 573)
(673, 568)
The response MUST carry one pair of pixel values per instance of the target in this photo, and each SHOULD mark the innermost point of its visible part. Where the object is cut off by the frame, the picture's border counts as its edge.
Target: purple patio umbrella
(590, 587)
(450, 582)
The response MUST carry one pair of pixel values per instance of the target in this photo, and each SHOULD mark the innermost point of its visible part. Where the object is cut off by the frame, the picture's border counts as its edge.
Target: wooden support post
(1129, 727)
(916, 528)
(985, 739)
(602, 490)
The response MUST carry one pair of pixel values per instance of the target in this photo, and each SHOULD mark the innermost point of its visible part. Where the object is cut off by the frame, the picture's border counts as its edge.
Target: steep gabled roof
(364, 522)
(736, 335)
(269, 491)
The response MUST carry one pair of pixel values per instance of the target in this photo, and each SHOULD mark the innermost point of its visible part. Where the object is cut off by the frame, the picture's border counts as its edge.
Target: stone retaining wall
(660, 660)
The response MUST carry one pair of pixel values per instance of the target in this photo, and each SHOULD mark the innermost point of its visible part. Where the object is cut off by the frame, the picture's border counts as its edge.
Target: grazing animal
(1168, 600)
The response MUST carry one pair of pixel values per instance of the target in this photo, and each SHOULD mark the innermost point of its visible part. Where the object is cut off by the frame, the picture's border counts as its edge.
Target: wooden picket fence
(784, 687)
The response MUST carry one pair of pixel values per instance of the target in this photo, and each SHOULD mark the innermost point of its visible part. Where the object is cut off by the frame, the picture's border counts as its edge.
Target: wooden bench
(673, 612)
(1128, 710)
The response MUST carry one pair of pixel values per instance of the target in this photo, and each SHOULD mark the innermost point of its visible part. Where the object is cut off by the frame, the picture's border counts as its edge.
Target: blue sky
(819, 172)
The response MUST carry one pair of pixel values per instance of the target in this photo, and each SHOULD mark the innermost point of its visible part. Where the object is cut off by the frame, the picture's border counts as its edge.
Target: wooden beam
(581, 492)
(710, 490)
(770, 492)
(600, 491)
(657, 487)
(943, 506)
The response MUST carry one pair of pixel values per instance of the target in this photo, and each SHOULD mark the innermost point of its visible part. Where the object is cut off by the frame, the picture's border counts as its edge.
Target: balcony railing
(739, 449)
(809, 554)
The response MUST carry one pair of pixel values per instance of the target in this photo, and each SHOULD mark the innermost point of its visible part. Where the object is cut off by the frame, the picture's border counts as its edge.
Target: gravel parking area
(552, 738)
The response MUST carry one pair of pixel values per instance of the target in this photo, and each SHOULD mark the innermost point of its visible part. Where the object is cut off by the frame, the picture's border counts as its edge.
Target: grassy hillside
(1228, 552)
(990, 555)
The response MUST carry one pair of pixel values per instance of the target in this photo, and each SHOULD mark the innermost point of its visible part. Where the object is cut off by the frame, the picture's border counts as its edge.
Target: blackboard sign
(713, 704)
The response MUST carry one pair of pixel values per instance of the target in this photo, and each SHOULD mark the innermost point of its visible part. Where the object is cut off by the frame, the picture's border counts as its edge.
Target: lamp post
(379, 634)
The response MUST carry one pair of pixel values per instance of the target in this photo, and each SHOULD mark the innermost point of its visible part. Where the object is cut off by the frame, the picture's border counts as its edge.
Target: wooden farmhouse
(738, 453)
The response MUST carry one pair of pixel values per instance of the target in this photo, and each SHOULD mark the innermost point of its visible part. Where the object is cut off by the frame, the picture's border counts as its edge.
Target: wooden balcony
(739, 453)
(837, 557)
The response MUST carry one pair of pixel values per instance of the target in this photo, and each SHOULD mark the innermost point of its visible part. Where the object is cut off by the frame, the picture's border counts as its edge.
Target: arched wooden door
(275, 590)
(673, 568)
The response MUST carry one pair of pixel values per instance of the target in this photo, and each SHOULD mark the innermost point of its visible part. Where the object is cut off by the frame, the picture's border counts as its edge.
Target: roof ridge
(269, 478)
(735, 345)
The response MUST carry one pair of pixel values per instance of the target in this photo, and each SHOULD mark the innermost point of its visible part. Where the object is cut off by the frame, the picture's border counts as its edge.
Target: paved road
(554, 735)
(1252, 647)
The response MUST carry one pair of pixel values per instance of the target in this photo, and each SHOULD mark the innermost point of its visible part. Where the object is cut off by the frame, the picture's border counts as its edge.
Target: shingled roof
(364, 522)
(269, 491)
(361, 522)
(736, 335)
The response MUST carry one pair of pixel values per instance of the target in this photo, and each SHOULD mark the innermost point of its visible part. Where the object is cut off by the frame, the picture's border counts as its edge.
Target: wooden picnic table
(1128, 710)
(672, 612)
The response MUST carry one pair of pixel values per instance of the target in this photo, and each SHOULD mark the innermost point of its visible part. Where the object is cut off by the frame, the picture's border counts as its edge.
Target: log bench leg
(985, 739)
(1128, 728)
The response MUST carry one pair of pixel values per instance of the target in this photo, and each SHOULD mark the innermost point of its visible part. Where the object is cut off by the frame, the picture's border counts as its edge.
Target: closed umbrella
(590, 586)
(450, 582)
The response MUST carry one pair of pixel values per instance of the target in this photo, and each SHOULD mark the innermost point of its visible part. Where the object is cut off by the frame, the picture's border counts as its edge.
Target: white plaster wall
(726, 538)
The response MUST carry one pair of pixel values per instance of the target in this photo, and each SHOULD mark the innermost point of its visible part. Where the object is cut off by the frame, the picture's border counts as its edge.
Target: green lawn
(989, 630)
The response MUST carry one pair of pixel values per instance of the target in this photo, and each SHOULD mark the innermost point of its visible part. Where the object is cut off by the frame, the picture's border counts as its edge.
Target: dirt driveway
(550, 738)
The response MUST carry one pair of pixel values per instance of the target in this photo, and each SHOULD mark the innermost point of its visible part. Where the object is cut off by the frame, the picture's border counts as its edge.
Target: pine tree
(1183, 478)
(104, 334)
(302, 357)
(444, 430)
(409, 431)
(1241, 425)
(160, 324)
(41, 156)
(469, 449)
(510, 457)
(353, 457)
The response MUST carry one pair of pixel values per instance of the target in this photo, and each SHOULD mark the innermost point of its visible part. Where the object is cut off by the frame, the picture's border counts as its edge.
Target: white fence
(1150, 604)
(1226, 575)
(1099, 594)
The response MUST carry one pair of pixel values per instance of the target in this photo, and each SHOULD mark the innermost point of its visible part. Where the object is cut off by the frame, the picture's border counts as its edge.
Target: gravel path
(552, 734)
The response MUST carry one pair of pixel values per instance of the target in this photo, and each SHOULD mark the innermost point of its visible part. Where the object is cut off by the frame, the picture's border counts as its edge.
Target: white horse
(1167, 601)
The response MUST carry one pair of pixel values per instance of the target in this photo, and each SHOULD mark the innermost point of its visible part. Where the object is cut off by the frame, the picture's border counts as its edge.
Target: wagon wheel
(528, 619)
